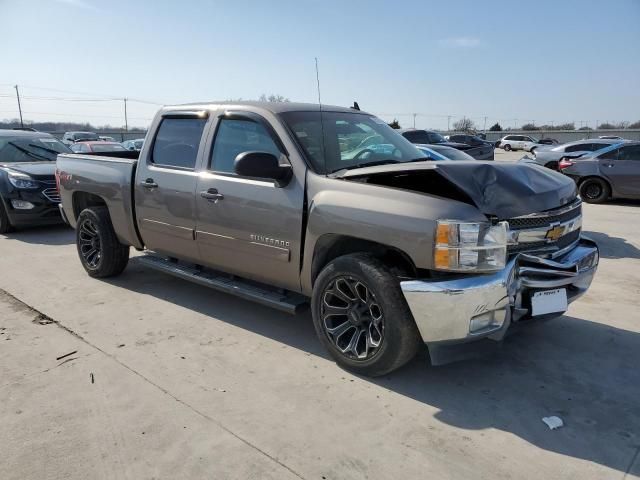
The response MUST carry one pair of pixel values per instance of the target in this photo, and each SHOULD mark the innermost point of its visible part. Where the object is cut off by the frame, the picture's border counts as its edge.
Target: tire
(532, 149)
(100, 252)
(594, 190)
(507, 148)
(374, 308)
(5, 223)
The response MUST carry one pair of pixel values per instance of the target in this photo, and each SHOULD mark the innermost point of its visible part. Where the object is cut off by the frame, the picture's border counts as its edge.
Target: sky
(511, 62)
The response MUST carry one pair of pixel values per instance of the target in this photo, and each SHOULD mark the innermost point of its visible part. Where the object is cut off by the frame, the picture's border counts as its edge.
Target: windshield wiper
(51, 150)
(29, 152)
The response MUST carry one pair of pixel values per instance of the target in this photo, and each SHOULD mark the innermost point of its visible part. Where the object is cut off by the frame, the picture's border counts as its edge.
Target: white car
(519, 142)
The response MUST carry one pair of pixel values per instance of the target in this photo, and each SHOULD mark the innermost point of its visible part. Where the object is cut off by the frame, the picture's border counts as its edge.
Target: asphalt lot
(189, 383)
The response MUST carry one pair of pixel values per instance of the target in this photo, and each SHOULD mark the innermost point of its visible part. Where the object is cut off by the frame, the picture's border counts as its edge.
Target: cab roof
(273, 107)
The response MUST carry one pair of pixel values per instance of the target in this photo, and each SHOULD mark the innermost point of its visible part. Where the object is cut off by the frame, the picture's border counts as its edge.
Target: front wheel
(100, 252)
(594, 190)
(507, 148)
(361, 316)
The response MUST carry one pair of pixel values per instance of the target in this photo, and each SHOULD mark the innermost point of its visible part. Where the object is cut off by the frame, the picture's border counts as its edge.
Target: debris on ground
(66, 355)
(553, 422)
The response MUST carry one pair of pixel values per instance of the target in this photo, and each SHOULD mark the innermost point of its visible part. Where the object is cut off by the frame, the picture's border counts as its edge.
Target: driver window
(611, 155)
(234, 137)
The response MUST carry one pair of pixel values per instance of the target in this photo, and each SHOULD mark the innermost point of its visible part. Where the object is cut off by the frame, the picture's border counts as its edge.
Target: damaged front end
(545, 265)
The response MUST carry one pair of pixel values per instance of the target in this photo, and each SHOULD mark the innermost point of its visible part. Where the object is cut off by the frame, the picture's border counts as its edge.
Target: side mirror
(263, 165)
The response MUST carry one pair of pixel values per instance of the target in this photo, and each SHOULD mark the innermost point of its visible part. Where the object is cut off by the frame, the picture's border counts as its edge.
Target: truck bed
(108, 178)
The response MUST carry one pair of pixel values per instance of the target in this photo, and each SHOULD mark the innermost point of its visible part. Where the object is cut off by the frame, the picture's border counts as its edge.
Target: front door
(166, 187)
(623, 169)
(247, 226)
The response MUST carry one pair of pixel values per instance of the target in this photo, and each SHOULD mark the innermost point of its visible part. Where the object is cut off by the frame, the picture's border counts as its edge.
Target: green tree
(495, 127)
(395, 124)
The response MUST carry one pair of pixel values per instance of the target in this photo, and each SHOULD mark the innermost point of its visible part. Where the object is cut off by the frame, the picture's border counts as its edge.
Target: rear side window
(177, 142)
(234, 137)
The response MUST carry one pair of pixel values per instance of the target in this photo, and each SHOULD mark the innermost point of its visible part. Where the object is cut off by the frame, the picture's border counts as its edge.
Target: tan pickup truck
(292, 204)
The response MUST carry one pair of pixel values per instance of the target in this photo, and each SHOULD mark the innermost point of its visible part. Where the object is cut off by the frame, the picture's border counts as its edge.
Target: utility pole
(19, 106)
(448, 120)
(414, 120)
(126, 121)
(485, 125)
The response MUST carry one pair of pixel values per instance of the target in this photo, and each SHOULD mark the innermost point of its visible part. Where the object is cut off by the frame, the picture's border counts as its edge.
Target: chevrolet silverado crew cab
(288, 204)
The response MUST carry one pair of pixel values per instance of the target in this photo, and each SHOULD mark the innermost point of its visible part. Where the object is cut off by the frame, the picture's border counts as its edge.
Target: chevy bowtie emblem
(554, 233)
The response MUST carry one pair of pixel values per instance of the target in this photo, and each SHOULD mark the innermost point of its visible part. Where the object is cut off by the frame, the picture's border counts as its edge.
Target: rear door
(247, 226)
(623, 169)
(166, 184)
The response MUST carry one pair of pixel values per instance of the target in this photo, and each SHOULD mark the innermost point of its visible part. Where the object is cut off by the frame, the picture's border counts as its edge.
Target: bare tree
(273, 98)
(464, 125)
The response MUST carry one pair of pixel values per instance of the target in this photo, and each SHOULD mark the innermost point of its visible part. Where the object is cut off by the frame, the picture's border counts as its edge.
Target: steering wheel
(361, 153)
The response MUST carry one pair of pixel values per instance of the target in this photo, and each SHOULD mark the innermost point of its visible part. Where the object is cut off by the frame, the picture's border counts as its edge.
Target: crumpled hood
(505, 190)
(38, 170)
(510, 189)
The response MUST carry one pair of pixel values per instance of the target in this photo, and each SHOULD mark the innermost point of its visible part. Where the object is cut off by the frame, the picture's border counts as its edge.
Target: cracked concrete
(189, 383)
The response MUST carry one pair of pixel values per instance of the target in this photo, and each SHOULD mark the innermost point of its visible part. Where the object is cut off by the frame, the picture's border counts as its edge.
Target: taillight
(564, 163)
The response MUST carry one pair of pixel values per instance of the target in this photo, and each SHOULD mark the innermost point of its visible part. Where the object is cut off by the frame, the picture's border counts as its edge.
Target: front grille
(542, 220)
(52, 194)
(545, 246)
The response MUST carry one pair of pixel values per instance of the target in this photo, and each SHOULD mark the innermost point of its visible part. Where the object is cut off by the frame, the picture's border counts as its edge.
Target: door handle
(149, 183)
(608, 165)
(212, 195)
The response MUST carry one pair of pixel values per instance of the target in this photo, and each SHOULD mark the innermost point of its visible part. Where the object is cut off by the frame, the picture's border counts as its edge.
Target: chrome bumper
(451, 310)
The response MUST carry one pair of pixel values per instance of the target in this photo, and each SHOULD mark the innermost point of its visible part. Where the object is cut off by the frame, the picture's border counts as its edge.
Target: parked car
(442, 152)
(72, 137)
(548, 141)
(613, 172)
(481, 149)
(106, 138)
(134, 145)
(97, 147)
(294, 204)
(549, 157)
(484, 151)
(518, 142)
(611, 137)
(28, 193)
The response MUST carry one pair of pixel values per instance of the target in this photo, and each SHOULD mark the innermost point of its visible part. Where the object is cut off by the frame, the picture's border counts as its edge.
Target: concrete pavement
(190, 383)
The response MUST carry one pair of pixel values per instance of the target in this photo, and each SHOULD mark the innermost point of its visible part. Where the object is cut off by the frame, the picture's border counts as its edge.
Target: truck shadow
(582, 371)
(613, 247)
(44, 235)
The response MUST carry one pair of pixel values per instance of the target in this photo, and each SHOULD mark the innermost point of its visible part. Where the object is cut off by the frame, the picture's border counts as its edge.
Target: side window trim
(248, 117)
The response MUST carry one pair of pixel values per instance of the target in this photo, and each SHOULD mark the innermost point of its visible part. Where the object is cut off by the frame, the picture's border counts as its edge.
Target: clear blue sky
(544, 60)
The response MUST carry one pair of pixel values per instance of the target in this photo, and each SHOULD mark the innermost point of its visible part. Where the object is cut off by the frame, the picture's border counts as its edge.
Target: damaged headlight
(466, 246)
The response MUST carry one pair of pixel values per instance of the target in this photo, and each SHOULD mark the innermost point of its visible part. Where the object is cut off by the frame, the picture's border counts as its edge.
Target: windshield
(351, 140)
(451, 153)
(30, 149)
(107, 147)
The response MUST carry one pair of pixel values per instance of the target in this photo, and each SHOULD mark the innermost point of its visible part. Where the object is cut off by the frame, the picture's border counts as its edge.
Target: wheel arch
(331, 246)
(82, 200)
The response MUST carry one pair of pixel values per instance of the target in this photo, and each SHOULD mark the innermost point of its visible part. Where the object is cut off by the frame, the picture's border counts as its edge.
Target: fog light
(487, 321)
(21, 204)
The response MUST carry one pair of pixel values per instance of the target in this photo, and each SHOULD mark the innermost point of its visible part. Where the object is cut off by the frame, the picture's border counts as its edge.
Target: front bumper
(444, 309)
(44, 212)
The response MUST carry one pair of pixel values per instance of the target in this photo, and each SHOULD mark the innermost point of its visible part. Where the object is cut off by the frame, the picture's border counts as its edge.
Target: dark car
(97, 147)
(70, 138)
(428, 137)
(482, 149)
(28, 193)
(548, 141)
(442, 152)
(612, 172)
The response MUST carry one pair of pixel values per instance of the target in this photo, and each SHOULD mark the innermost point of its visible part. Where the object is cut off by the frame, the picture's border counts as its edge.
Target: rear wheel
(5, 223)
(100, 252)
(595, 190)
(507, 148)
(361, 316)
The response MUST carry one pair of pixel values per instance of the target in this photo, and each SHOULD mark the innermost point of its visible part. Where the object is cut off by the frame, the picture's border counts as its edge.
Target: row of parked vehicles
(392, 245)
(91, 142)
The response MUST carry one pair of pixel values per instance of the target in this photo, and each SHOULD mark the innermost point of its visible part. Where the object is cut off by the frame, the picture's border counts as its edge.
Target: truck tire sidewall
(401, 338)
(5, 224)
(113, 255)
(586, 185)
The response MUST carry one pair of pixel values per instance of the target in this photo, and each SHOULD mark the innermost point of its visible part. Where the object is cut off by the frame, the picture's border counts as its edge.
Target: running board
(283, 300)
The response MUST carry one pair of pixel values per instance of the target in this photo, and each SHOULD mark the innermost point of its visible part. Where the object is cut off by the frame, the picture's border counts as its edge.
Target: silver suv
(518, 142)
